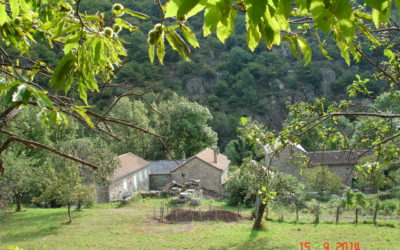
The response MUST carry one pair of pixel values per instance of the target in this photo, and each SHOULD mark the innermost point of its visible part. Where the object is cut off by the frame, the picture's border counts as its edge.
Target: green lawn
(132, 227)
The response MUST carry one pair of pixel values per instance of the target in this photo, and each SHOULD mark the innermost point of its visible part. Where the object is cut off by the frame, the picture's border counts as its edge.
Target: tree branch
(14, 137)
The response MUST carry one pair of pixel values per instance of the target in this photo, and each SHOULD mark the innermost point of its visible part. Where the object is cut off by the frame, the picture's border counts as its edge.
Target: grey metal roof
(164, 166)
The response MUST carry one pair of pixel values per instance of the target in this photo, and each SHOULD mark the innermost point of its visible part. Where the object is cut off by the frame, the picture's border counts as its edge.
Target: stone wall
(158, 181)
(209, 176)
(138, 180)
(345, 172)
(283, 164)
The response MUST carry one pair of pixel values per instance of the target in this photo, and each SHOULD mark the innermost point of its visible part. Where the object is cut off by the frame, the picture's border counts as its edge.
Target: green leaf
(305, 49)
(3, 14)
(389, 54)
(364, 16)
(211, 19)
(184, 7)
(397, 3)
(98, 49)
(253, 36)
(363, 28)
(82, 112)
(161, 50)
(294, 46)
(121, 22)
(256, 10)
(82, 91)
(14, 6)
(171, 8)
(178, 44)
(60, 74)
(225, 30)
(136, 14)
(380, 11)
(270, 30)
(243, 120)
(189, 35)
(42, 100)
(151, 53)
(321, 46)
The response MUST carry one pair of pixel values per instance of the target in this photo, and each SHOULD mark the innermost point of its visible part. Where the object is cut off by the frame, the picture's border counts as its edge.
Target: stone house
(132, 175)
(340, 163)
(209, 166)
(160, 172)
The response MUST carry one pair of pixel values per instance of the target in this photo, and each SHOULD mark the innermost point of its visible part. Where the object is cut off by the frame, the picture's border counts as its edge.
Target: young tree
(289, 190)
(346, 202)
(65, 186)
(359, 203)
(20, 177)
(372, 174)
(323, 181)
(91, 149)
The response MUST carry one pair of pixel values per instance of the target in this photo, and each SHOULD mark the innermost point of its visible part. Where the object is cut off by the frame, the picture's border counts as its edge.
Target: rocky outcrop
(328, 76)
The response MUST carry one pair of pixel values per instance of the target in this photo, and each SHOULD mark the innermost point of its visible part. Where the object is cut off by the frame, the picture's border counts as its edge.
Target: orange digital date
(337, 246)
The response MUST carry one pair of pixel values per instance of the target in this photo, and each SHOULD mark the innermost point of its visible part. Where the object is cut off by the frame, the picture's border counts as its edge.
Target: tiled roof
(164, 166)
(345, 157)
(207, 155)
(130, 163)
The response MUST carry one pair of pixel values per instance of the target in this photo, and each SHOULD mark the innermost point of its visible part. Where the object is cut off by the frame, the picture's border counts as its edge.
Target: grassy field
(132, 227)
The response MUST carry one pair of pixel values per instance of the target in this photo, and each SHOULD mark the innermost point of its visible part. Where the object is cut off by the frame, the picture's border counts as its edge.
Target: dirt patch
(183, 215)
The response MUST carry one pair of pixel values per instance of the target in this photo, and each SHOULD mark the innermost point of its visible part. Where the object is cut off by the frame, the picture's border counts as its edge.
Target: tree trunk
(266, 213)
(79, 206)
(69, 213)
(337, 213)
(297, 214)
(357, 209)
(317, 214)
(376, 211)
(260, 212)
(18, 198)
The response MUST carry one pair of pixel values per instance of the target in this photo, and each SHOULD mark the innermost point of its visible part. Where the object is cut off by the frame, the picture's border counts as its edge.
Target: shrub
(388, 207)
(240, 190)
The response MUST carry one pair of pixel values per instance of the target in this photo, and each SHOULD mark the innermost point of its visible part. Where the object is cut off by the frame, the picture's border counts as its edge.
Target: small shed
(160, 172)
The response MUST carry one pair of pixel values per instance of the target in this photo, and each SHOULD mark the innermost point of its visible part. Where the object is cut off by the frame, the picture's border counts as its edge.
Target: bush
(240, 190)
(388, 207)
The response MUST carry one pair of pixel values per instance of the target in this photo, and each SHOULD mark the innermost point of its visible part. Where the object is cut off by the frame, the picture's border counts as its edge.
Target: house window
(134, 182)
(125, 184)
(183, 175)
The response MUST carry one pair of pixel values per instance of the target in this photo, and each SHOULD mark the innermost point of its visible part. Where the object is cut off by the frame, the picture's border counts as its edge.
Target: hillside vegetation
(227, 78)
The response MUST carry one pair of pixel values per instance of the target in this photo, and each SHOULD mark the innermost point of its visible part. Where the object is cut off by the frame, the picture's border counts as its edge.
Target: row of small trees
(253, 184)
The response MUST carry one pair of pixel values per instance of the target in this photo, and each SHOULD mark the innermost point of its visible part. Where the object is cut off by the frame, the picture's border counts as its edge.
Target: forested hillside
(227, 78)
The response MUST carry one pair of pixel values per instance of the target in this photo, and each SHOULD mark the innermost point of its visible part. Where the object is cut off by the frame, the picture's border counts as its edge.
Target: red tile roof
(130, 163)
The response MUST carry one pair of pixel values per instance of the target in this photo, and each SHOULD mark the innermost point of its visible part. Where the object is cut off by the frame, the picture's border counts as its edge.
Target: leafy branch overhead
(90, 52)
(273, 21)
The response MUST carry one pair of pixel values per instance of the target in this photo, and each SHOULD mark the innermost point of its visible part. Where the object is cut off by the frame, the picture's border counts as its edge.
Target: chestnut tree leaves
(275, 21)
(90, 50)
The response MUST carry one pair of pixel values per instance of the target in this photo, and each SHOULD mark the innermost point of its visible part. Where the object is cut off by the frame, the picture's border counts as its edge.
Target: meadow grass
(132, 227)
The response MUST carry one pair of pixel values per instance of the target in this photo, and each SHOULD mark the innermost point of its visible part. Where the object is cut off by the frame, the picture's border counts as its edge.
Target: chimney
(215, 154)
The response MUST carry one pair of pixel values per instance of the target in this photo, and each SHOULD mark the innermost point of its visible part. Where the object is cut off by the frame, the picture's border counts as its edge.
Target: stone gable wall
(210, 177)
